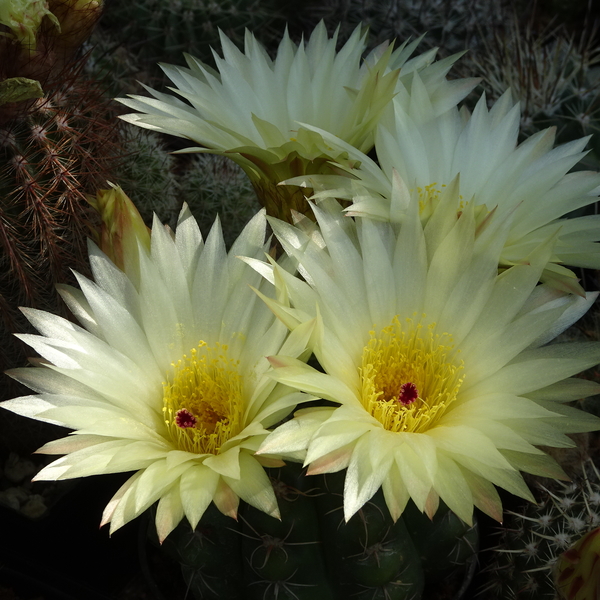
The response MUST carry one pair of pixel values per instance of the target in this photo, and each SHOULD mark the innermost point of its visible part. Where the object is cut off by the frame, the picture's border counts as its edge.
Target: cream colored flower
(441, 366)
(254, 108)
(528, 183)
(167, 377)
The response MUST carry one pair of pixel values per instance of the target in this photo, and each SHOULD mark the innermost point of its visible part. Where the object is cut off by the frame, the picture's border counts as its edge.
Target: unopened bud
(24, 17)
(122, 230)
(77, 19)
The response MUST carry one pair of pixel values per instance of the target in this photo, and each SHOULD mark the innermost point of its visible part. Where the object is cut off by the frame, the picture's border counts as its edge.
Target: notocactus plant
(453, 26)
(156, 31)
(211, 185)
(149, 175)
(551, 71)
(312, 554)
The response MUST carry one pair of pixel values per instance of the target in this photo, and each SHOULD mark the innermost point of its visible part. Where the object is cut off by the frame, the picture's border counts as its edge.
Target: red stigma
(184, 418)
(408, 394)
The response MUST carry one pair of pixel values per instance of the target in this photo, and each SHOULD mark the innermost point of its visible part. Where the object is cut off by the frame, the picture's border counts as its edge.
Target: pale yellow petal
(197, 488)
(253, 486)
(168, 513)
(453, 489)
(226, 500)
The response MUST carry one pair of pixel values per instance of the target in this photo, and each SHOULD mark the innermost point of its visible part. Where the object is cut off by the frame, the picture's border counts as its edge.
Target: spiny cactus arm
(16, 262)
(210, 556)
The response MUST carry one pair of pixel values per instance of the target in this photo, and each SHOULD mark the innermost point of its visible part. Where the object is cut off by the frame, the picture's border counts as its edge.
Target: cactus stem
(271, 542)
(279, 586)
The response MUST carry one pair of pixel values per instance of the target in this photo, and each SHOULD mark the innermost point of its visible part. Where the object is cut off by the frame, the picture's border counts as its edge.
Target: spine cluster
(530, 543)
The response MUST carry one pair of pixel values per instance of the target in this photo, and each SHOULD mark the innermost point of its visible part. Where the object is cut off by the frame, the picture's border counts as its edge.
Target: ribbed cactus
(148, 175)
(211, 185)
(313, 554)
(159, 182)
(450, 25)
(530, 543)
(51, 155)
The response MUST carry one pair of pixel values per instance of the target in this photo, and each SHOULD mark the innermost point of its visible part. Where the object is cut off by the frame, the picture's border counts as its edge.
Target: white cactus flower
(441, 366)
(528, 183)
(167, 377)
(253, 108)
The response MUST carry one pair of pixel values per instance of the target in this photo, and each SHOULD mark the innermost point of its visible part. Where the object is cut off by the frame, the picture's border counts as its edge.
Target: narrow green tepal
(370, 556)
(284, 559)
(18, 89)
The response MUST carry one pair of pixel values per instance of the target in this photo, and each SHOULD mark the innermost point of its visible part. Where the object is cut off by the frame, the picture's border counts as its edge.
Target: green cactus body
(445, 544)
(451, 25)
(210, 556)
(531, 542)
(214, 185)
(370, 555)
(159, 182)
(285, 559)
(312, 554)
(148, 176)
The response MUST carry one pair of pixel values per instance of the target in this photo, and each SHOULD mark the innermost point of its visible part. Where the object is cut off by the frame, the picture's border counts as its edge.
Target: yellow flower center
(202, 402)
(410, 375)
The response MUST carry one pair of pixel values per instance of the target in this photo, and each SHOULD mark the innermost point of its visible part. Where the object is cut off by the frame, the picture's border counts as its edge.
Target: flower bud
(122, 231)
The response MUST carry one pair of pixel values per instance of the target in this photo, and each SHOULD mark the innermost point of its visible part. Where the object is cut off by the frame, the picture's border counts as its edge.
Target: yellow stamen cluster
(405, 353)
(202, 403)
(428, 199)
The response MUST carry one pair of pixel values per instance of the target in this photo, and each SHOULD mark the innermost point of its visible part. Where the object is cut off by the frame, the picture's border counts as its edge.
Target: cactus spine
(551, 71)
(530, 543)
